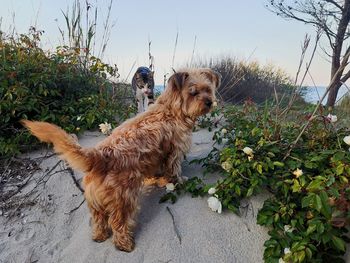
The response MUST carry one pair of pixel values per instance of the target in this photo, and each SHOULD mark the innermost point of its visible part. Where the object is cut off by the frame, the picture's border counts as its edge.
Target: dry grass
(242, 80)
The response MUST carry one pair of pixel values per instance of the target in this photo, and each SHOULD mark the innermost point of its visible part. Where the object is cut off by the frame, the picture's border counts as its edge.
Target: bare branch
(312, 117)
(335, 4)
(174, 224)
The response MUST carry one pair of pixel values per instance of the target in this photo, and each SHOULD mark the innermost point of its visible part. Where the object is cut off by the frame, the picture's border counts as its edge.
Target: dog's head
(191, 91)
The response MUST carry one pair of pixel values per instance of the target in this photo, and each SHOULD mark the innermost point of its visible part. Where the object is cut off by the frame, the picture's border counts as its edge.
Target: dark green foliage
(67, 87)
(309, 212)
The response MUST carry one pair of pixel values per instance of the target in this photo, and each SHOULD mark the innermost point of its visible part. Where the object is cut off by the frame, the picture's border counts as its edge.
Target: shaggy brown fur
(140, 148)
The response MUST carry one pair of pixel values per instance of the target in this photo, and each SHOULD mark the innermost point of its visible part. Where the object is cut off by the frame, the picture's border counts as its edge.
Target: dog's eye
(194, 92)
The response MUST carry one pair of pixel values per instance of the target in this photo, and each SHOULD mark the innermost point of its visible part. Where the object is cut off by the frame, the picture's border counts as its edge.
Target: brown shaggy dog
(152, 142)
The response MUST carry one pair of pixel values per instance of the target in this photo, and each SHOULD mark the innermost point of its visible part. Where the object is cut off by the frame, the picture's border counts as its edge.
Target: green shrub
(308, 215)
(65, 87)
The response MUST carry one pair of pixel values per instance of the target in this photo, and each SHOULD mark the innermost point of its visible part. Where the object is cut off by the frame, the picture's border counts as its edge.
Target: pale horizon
(246, 30)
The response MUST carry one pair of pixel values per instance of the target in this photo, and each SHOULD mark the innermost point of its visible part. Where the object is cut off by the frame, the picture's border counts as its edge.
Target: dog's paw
(100, 236)
(124, 243)
(160, 181)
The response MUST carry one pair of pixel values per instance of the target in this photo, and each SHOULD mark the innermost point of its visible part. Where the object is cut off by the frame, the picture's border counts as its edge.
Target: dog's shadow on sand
(149, 210)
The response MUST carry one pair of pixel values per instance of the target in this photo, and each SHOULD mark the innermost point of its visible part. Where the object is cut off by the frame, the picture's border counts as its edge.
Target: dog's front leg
(173, 167)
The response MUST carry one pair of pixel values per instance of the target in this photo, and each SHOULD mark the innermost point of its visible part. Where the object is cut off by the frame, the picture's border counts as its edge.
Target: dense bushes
(67, 87)
(248, 80)
(309, 213)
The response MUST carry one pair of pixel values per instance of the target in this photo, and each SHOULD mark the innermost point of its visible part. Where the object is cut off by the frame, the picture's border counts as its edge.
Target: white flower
(212, 191)
(288, 229)
(215, 104)
(250, 157)
(287, 250)
(298, 172)
(170, 187)
(223, 131)
(215, 204)
(185, 178)
(224, 140)
(105, 127)
(347, 139)
(280, 260)
(248, 150)
(226, 166)
(332, 118)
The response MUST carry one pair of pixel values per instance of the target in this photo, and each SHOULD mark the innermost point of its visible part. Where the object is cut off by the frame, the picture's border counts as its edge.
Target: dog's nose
(208, 102)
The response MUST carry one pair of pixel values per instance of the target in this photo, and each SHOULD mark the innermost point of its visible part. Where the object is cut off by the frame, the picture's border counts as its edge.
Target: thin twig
(175, 227)
(76, 208)
(297, 88)
(177, 36)
(193, 50)
(75, 180)
(150, 57)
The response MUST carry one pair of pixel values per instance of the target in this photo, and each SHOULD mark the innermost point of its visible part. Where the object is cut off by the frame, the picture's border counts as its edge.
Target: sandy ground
(47, 232)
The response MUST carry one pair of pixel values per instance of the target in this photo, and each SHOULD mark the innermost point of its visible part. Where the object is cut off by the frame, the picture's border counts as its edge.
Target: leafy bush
(210, 120)
(308, 215)
(66, 87)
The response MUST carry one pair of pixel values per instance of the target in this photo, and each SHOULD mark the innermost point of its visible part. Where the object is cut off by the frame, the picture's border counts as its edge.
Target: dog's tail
(64, 144)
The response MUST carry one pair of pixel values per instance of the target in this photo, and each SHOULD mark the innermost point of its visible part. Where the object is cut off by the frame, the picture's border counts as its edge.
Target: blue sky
(240, 28)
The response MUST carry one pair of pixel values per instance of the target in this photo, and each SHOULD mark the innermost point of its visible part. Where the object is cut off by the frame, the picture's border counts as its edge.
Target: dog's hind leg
(122, 232)
(123, 211)
(100, 229)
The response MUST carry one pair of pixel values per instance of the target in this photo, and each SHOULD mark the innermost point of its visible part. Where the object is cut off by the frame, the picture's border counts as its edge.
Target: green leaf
(250, 192)
(278, 164)
(340, 169)
(343, 179)
(320, 228)
(317, 203)
(338, 243)
(296, 186)
(307, 200)
(308, 253)
(315, 185)
(326, 208)
(310, 229)
(237, 190)
(301, 256)
(169, 196)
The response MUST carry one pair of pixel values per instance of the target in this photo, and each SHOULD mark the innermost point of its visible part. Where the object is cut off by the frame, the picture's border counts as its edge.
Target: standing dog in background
(116, 169)
(143, 86)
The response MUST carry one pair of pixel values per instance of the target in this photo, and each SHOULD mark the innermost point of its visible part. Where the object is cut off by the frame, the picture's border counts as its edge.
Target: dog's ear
(212, 76)
(178, 80)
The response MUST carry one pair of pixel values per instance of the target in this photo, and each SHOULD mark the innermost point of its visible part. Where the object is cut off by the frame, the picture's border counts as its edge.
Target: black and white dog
(143, 87)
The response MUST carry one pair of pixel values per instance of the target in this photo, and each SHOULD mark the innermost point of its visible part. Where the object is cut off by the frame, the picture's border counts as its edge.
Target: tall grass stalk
(82, 33)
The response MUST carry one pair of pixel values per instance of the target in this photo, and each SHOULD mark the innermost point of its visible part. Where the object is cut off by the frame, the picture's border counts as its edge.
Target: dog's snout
(208, 102)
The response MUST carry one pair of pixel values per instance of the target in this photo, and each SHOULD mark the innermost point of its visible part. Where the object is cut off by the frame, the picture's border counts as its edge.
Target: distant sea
(311, 94)
(158, 88)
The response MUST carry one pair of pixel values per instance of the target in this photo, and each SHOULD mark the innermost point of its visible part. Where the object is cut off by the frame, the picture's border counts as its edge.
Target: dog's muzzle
(208, 103)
